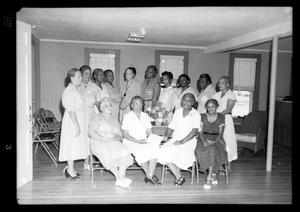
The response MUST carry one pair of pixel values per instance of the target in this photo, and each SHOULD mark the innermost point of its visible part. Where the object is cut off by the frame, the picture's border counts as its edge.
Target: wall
(57, 58)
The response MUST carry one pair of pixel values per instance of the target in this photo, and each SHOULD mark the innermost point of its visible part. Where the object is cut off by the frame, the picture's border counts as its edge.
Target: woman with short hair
(226, 99)
(211, 147)
(106, 143)
(129, 89)
(73, 131)
(206, 91)
(140, 141)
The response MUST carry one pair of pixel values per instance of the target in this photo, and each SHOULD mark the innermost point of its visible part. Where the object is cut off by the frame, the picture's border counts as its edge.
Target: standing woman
(184, 87)
(206, 91)
(90, 93)
(131, 88)
(168, 95)
(98, 76)
(113, 92)
(226, 99)
(150, 88)
(73, 137)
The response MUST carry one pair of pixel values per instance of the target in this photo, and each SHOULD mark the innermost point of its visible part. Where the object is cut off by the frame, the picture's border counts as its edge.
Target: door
(24, 104)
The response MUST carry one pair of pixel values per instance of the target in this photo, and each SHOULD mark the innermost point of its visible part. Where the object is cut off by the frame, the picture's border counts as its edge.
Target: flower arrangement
(159, 114)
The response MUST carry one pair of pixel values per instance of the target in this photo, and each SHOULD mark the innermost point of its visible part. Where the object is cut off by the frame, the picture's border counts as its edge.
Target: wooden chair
(251, 134)
(43, 138)
(192, 171)
(95, 165)
(224, 169)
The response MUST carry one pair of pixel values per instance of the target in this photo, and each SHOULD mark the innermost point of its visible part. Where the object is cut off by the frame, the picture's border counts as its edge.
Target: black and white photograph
(154, 105)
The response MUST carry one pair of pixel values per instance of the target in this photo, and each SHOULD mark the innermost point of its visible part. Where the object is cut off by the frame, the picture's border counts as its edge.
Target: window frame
(232, 56)
(117, 52)
(185, 55)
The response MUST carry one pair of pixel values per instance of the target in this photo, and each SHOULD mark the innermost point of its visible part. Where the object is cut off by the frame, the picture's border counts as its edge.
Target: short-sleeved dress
(229, 131)
(148, 91)
(112, 154)
(180, 94)
(213, 155)
(181, 155)
(129, 90)
(137, 128)
(205, 95)
(115, 96)
(71, 147)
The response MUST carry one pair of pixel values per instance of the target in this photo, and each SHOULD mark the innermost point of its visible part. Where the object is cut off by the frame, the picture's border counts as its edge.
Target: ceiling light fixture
(135, 37)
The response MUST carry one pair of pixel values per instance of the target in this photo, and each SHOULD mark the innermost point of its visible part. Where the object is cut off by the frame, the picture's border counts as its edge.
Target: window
(172, 61)
(104, 59)
(244, 76)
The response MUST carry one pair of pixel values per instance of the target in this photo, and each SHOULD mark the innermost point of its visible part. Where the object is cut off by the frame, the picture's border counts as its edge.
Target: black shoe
(180, 181)
(68, 175)
(147, 180)
(156, 180)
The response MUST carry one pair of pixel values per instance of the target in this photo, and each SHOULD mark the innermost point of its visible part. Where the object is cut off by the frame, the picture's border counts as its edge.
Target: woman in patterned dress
(150, 88)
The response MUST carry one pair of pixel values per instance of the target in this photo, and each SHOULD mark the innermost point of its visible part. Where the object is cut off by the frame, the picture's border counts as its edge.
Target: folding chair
(192, 171)
(49, 119)
(43, 138)
(43, 128)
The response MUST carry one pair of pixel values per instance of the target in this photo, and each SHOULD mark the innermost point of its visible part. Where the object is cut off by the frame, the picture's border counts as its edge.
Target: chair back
(253, 121)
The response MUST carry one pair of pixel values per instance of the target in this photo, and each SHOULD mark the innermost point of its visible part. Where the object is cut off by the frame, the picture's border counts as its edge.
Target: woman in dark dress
(211, 148)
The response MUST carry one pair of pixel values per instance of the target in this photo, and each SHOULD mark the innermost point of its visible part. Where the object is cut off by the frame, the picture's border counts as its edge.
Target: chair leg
(226, 173)
(197, 172)
(162, 173)
(49, 153)
(91, 167)
(193, 171)
(36, 146)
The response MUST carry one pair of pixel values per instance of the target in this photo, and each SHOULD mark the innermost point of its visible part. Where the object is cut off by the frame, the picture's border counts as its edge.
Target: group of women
(114, 126)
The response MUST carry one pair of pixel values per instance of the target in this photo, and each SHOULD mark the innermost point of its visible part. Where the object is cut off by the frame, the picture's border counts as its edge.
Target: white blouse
(168, 98)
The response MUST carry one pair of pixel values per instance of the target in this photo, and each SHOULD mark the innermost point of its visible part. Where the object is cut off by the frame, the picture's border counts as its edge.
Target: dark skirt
(212, 155)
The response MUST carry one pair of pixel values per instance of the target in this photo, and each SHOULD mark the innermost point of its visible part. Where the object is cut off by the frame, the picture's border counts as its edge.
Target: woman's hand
(142, 141)
(177, 142)
(205, 143)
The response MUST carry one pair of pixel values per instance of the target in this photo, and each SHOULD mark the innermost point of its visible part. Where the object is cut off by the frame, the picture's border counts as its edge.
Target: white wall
(57, 58)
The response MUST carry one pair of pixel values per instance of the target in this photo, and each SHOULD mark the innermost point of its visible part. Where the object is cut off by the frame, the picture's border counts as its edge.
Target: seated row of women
(140, 144)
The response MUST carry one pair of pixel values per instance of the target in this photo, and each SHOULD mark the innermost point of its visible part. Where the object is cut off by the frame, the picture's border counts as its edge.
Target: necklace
(127, 87)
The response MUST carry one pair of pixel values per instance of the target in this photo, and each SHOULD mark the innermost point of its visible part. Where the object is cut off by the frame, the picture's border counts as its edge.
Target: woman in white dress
(106, 143)
(178, 152)
(168, 95)
(139, 139)
(73, 131)
(206, 91)
(90, 92)
(226, 99)
(131, 88)
(183, 88)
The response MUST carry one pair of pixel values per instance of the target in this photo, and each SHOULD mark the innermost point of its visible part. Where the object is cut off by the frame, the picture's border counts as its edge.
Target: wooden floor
(249, 183)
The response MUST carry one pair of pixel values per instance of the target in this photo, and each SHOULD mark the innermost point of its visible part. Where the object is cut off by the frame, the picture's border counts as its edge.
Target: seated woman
(211, 147)
(178, 152)
(139, 139)
(106, 143)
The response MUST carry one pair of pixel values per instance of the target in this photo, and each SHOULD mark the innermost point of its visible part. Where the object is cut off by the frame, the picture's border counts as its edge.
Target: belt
(210, 133)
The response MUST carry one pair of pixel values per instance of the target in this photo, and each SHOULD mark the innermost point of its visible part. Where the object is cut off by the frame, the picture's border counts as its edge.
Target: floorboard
(249, 183)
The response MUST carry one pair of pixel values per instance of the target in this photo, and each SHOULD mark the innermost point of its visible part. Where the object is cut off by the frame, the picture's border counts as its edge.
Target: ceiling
(182, 26)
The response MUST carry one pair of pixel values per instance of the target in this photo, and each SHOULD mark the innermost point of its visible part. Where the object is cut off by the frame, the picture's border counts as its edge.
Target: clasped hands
(208, 142)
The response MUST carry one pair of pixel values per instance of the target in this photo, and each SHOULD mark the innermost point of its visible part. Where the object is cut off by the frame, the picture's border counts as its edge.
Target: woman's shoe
(68, 175)
(156, 180)
(128, 181)
(180, 181)
(207, 185)
(122, 183)
(214, 181)
(147, 180)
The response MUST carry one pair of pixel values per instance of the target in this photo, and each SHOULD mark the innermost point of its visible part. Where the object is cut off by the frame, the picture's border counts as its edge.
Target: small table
(159, 130)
